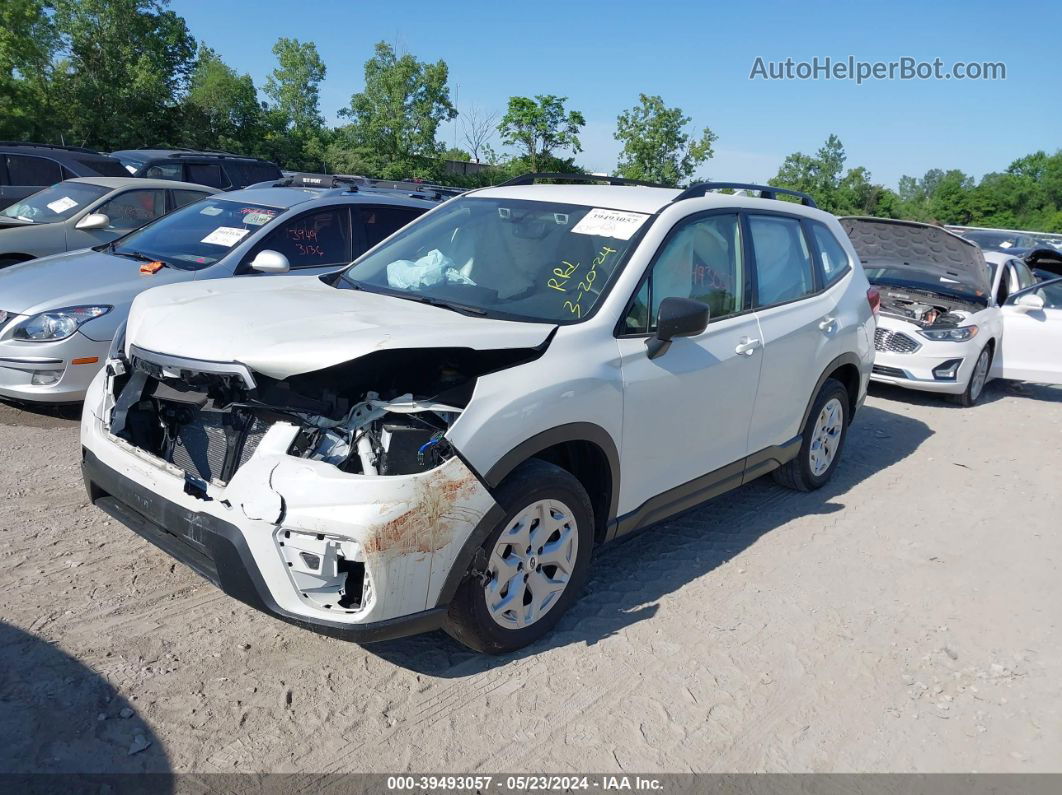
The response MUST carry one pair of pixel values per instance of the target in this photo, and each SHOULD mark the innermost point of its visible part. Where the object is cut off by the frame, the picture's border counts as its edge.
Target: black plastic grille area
(894, 372)
(201, 445)
(894, 342)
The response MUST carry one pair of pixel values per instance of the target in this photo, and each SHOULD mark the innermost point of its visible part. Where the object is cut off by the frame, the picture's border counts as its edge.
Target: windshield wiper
(140, 256)
(455, 307)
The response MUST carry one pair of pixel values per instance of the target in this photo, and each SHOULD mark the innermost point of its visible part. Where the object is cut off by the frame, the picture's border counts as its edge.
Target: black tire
(798, 474)
(469, 620)
(971, 395)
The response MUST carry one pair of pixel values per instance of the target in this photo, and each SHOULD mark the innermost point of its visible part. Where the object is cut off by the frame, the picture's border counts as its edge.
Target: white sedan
(951, 316)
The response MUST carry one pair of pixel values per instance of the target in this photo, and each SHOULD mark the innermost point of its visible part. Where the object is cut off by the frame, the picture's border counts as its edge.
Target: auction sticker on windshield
(61, 205)
(609, 223)
(227, 236)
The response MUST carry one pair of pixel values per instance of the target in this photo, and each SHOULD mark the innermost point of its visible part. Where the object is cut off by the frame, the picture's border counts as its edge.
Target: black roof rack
(531, 177)
(81, 149)
(766, 191)
(318, 181)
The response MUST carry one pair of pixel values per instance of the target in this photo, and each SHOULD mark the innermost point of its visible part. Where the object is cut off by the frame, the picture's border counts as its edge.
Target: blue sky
(698, 55)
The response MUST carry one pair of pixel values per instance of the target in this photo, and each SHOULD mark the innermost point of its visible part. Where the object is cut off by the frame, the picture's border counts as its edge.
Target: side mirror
(678, 317)
(1030, 302)
(92, 222)
(270, 261)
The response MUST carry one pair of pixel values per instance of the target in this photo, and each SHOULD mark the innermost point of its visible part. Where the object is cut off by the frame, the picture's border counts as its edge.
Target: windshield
(56, 203)
(198, 234)
(525, 260)
(997, 241)
(131, 164)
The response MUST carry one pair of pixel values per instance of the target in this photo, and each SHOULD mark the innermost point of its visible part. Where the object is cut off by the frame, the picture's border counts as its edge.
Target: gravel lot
(905, 618)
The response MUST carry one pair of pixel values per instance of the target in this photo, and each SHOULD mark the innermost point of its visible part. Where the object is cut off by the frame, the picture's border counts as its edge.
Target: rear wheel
(978, 378)
(821, 442)
(537, 560)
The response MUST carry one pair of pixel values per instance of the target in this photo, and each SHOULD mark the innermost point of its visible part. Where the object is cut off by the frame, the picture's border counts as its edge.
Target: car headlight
(58, 324)
(958, 334)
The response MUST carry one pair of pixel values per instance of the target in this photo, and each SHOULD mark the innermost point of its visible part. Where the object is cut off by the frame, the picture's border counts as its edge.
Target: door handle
(747, 346)
(828, 324)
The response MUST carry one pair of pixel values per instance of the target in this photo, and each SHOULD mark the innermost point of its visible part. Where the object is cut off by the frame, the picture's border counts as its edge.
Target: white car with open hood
(439, 435)
(951, 316)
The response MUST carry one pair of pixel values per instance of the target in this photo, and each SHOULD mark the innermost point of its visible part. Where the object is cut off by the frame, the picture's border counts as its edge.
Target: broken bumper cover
(217, 551)
(412, 536)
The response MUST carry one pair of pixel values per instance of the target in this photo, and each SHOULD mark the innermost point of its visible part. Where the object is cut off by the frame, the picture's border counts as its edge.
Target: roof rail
(766, 191)
(53, 146)
(531, 177)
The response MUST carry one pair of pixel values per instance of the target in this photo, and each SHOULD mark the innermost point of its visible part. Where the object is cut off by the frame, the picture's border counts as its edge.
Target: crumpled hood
(77, 278)
(282, 326)
(908, 245)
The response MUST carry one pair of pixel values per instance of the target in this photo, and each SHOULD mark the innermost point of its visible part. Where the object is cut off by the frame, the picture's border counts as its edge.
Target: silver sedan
(85, 212)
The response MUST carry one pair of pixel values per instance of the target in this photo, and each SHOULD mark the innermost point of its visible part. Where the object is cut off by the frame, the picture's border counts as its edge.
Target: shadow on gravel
(50, 708)
(994, 391)
(40, 415)
(663, 558)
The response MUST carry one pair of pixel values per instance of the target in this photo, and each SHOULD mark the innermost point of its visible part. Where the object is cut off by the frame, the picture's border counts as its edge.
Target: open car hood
(282, 326)
(922, 248)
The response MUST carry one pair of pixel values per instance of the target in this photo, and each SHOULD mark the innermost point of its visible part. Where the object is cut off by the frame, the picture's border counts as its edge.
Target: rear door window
(164, 171)
(30, 170)
(378, 223)
(784, 270)
(134, 208)
(311, 240)
(183, 197)
(206, 174)
(242, 173)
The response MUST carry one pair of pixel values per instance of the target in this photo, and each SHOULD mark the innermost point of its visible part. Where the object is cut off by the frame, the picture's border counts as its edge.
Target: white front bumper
(408, 529)
(916, 369)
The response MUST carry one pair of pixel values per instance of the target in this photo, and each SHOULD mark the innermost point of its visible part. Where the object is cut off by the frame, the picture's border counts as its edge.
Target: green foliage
(294, 86)
(116, 74)
(28, 40)
(539, 126)
(124, 63)
(221, 109)
(394, 119)
(656, 146)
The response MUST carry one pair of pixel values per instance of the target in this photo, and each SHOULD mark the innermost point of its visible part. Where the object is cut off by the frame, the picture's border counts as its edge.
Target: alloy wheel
(532, 564)
(826, 437)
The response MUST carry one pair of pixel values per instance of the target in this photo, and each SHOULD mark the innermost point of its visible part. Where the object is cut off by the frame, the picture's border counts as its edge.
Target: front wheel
(537, 560)
(821, 442)
(978, 379)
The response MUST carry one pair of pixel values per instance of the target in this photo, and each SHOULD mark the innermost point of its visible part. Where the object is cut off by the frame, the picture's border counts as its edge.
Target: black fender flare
(843, 359)
(570, 432)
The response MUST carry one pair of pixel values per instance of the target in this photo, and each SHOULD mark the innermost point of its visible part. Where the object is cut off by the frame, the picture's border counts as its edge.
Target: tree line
(117, 74)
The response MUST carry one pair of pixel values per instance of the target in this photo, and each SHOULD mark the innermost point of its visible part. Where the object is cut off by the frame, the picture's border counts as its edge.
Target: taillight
(874, 299)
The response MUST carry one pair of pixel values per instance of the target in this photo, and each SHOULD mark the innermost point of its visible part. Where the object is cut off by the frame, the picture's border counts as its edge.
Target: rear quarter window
(835, 261)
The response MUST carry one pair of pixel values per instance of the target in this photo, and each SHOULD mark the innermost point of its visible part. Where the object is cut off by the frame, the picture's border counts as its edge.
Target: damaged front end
(345, 483)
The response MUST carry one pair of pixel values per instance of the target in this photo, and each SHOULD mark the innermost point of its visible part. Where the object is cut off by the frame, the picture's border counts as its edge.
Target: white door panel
(799, 340)
(1031, 349)
(687, 412)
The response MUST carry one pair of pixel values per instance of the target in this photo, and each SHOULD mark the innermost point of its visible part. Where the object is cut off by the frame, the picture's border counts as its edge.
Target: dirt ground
(905, 618)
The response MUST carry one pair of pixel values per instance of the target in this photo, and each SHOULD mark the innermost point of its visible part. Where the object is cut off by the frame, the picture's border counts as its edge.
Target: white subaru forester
(440, 434)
